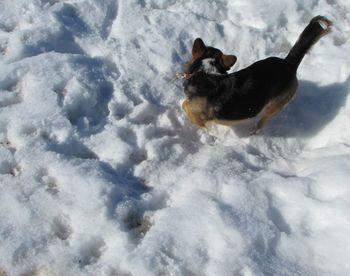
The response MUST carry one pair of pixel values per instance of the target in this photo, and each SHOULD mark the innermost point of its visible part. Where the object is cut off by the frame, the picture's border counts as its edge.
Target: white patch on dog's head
(208, 66)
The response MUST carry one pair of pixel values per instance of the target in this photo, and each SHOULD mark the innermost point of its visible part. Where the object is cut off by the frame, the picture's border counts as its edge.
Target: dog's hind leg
(275, 106)
(269, 111)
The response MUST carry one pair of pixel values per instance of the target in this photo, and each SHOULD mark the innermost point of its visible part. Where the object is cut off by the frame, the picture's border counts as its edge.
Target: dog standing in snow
(261, 90)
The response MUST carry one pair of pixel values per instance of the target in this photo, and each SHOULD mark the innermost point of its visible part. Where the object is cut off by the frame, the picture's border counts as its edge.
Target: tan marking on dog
(276, 105)
(228, 60)
(197, 111)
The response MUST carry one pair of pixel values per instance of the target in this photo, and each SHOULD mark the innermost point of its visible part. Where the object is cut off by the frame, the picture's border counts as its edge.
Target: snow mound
(101, 173)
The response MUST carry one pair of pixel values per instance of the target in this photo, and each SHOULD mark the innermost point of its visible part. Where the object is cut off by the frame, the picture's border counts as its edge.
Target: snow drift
(102, 174)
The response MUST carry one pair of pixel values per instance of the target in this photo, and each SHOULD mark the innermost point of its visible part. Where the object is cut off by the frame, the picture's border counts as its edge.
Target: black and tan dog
(260, 90)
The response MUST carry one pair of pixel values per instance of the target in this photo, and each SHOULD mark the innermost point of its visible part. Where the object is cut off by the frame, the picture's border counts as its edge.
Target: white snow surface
(101, 173)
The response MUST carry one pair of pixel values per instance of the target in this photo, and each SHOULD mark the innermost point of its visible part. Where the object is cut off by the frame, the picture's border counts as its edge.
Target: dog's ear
(198, 48)
(228, 61)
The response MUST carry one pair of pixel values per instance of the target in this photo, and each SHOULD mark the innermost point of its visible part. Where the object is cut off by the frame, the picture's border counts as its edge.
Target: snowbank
(102, 174)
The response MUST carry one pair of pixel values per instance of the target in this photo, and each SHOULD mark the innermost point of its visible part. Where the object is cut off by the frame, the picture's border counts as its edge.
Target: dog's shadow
(312, 109)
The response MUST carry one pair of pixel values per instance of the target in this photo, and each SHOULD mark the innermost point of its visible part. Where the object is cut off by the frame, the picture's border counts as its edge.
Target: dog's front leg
(195, 117)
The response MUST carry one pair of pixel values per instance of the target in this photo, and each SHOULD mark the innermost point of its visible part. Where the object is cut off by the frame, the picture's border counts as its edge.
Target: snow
(101, 173)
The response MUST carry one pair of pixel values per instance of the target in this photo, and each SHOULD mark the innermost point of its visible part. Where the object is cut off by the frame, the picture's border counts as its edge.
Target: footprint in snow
(110, 18)
(8, 165)
(10, 92)
(138, 216)
(275, 215)
(49, 182)
(3, 48)
(52, 187)
(62, 228)
(91, 251)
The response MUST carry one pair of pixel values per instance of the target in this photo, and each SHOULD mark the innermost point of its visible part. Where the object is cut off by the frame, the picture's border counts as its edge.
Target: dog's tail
(318, 27)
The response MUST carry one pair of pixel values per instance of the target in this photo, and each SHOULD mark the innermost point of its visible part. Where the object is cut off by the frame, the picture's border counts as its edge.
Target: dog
(259, 91)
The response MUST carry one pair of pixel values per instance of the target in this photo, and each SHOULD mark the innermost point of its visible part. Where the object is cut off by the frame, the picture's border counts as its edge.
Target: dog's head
(208, 59)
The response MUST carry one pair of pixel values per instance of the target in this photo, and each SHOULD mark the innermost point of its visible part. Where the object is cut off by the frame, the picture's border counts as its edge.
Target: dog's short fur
(263, 88)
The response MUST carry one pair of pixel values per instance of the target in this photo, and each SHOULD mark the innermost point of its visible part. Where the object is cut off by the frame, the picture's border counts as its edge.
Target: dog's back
(253, 87)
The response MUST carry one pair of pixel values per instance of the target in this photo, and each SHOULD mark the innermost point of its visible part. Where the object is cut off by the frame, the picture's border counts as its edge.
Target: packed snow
(101, 173)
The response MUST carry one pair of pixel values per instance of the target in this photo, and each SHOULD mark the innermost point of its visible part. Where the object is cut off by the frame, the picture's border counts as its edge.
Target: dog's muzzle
(186, 77)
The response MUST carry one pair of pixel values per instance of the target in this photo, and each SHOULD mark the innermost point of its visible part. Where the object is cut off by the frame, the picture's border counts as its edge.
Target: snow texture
(101, 173)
